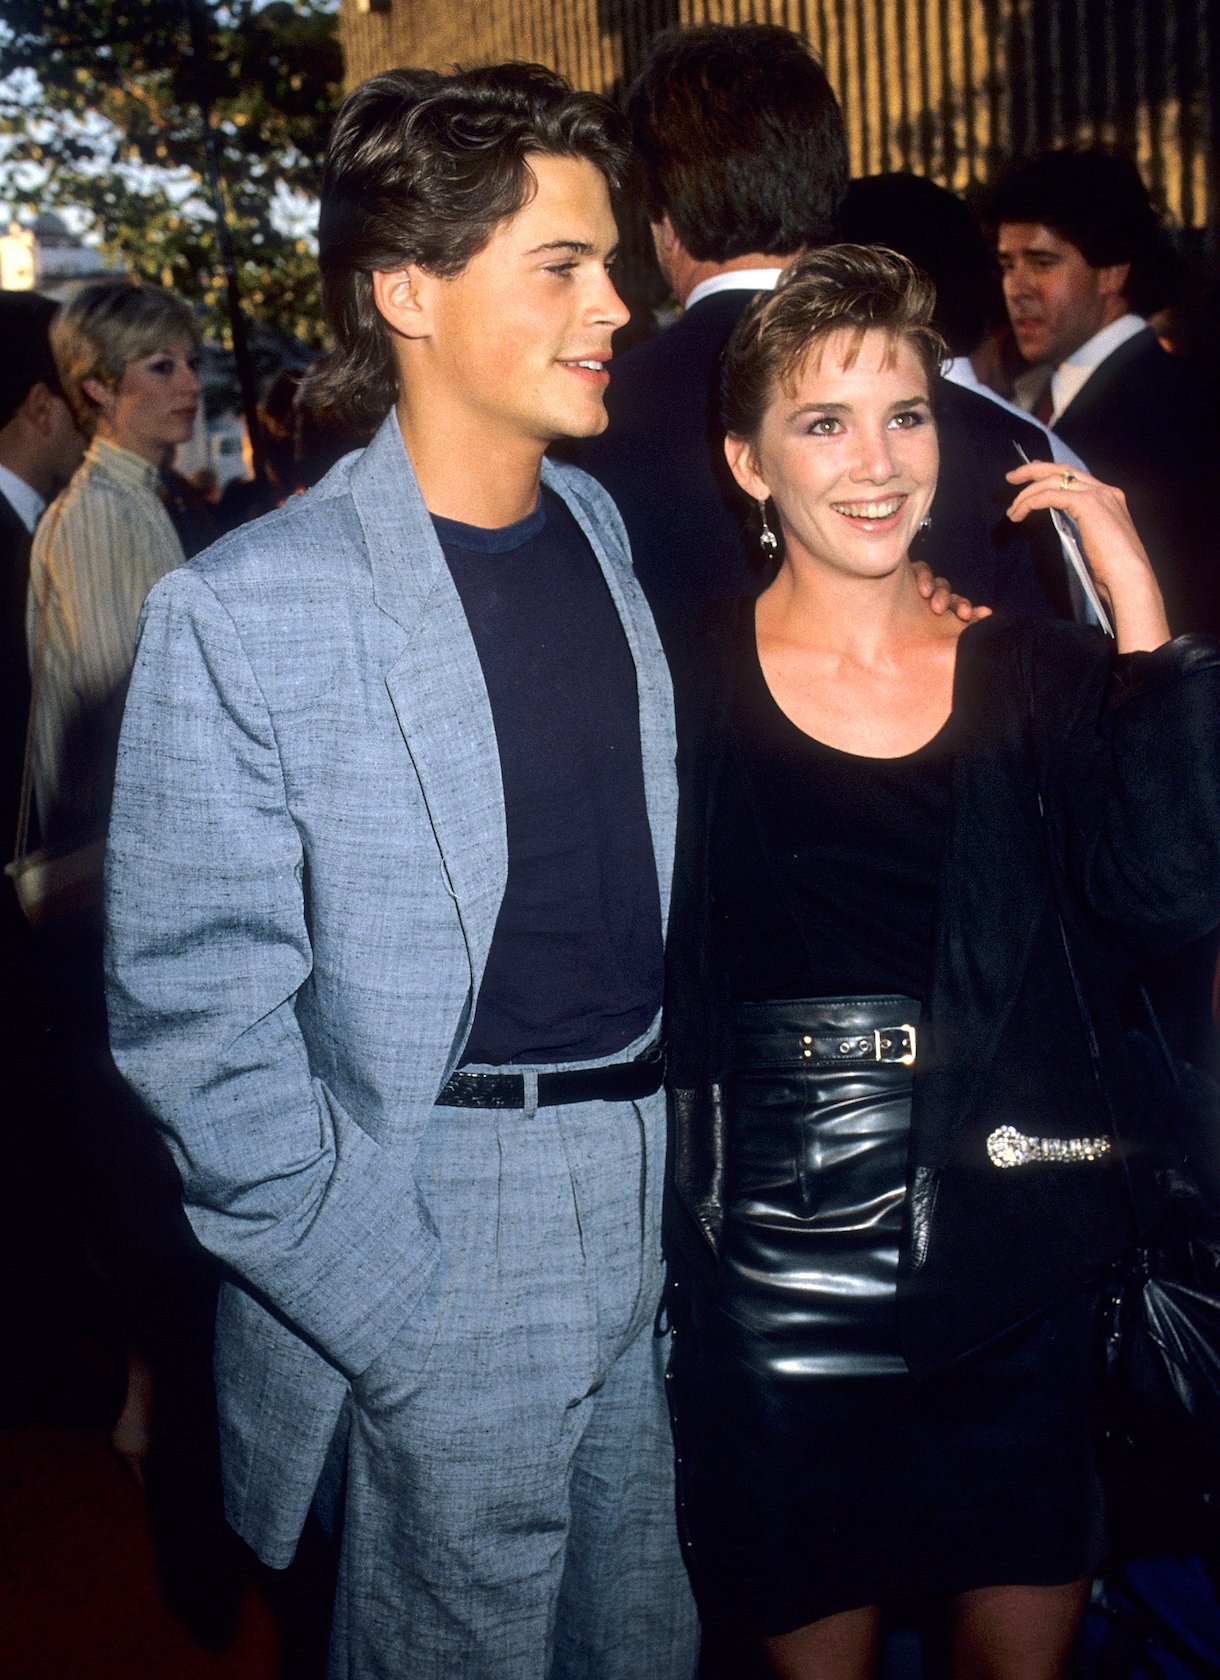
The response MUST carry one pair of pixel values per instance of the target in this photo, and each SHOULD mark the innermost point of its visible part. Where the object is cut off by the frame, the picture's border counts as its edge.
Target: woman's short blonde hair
(104, 326)
(837, 288)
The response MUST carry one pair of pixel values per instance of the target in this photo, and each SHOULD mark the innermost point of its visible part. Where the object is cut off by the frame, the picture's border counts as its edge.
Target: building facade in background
(951, 89)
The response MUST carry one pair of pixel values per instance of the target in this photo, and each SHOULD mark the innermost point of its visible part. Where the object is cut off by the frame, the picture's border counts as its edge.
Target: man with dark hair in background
(938, 232)
(40, 449)
(744, 164)
(1082, 251)
(389, 867)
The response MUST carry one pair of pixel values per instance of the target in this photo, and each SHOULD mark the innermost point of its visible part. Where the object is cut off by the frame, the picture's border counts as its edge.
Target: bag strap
(1172, 1066)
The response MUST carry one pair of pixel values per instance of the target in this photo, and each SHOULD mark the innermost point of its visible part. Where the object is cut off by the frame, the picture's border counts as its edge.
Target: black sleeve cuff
(1138, 673)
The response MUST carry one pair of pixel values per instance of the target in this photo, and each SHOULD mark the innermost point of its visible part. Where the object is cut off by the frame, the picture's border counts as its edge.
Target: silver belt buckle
(883, 1042)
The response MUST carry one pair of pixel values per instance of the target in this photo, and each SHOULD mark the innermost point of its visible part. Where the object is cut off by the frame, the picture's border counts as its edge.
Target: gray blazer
(307, 857)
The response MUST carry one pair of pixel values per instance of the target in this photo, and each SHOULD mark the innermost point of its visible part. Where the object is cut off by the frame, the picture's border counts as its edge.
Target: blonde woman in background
(127, 356)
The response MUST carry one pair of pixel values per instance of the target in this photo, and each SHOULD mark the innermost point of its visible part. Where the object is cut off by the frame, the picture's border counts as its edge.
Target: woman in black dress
(918, 861)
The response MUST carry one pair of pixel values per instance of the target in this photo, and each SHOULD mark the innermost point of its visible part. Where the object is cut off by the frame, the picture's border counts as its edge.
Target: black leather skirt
(815, 1475)
(817, 1182)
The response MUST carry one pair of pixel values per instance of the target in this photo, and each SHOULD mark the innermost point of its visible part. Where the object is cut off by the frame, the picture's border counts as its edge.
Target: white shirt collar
(1073, 373)
(26, 502)
(960, 370)
(734, 280)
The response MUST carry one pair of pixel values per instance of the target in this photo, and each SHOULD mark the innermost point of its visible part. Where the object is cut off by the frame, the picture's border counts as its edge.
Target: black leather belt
(620, 1082)
(827, 1032)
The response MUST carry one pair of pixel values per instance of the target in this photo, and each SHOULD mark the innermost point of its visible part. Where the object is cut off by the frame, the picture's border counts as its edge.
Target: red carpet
(80, 1593)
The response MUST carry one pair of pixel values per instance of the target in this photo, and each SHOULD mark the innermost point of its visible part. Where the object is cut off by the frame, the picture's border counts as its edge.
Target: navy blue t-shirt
(575, 965)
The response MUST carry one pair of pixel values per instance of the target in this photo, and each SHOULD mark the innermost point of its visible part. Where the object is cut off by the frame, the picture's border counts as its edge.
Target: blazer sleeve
(208, 944)
(1132, 780)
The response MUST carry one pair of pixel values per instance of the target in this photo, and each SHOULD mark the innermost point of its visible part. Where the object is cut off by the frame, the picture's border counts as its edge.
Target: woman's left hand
(1117, 558)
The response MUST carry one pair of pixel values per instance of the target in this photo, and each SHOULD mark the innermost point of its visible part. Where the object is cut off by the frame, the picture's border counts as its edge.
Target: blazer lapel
(1096, 386)
(436, 686)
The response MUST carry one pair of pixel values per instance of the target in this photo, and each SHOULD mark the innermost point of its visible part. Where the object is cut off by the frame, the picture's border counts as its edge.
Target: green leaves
(100, 113)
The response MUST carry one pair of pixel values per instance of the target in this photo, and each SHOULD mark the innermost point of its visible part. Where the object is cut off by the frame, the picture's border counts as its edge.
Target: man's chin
(594, 424)
(1032, 350)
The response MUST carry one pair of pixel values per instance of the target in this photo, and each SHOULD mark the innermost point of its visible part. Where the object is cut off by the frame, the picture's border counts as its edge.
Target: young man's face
(1056, 300)
(516, 345)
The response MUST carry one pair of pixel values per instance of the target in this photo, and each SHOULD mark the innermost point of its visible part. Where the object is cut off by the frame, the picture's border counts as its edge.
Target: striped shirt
(97, 552)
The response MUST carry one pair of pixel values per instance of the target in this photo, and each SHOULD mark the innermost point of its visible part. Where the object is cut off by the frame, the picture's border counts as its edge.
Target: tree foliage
(100, 111)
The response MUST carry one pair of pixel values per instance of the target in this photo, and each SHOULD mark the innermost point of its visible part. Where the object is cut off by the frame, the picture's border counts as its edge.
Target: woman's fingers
(1100, 507)
(941, 597)
(1111, 544)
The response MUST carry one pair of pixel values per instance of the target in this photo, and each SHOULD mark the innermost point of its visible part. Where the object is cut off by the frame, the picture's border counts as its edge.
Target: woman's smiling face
(847, 451)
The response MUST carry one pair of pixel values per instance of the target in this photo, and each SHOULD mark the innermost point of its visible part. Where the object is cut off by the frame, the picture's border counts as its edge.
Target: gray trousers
(508, 1508)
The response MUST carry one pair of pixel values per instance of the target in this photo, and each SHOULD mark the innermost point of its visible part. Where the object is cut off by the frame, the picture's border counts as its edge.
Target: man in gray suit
(389, 866)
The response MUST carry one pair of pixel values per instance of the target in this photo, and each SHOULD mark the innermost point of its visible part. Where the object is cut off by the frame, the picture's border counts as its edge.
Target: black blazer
(1126, 756)
(1144, 422)
(694, 535)
(14, 665)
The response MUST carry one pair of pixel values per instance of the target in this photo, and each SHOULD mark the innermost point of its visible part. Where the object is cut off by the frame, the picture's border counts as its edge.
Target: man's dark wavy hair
(420, 169)
(1094, 197)
(740, 139)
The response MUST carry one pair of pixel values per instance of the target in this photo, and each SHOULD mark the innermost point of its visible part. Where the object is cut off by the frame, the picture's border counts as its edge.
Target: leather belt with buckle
(880, 1044)
(620, 1082)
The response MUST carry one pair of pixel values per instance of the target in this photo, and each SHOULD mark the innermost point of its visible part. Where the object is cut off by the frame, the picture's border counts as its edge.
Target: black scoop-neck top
(824, 864)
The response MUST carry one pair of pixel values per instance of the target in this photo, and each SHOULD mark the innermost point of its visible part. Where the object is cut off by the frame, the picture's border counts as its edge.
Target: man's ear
(663, 237)
(37, 408)
(743, 464)
(1112, 280)
(673, 259)
(401, 296)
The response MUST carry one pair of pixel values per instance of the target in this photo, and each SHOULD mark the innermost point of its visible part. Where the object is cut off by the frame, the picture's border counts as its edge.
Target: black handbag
(1162, 1392)
(1161, 1405)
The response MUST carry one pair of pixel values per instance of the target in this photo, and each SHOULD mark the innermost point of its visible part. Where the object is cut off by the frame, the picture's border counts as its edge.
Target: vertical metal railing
(949, 88)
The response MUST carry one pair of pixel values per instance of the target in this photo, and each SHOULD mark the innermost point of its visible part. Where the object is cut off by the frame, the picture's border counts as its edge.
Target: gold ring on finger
(1066, 478)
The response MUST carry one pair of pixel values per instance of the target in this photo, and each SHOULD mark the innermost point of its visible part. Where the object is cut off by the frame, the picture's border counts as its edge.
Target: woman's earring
(925, 524)
(767, 539)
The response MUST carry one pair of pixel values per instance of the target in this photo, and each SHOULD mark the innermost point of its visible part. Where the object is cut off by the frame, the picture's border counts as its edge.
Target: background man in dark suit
(39, 451)
(744, 162)
(1080, 246)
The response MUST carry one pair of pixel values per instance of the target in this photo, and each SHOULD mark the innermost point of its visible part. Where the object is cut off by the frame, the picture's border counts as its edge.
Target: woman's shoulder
(91, 498)
(1013, 672)
(1054, 648)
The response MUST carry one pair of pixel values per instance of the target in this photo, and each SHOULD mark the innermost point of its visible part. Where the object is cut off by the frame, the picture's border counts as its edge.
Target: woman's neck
(836, 613)
(158, 456)
(861, 664)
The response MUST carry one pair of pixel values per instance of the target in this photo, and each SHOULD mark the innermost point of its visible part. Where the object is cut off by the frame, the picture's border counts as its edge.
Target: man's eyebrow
(578, 247)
